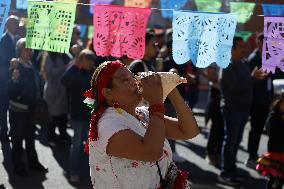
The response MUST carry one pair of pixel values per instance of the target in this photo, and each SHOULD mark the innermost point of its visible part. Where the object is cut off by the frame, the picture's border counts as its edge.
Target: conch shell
(169, 81)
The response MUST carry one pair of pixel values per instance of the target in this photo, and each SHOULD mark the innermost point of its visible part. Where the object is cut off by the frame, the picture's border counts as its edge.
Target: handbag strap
(159, 170)
(162, 181)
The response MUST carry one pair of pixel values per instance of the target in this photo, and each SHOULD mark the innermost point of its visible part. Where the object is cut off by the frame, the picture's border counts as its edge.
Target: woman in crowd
(128, 146)
(150, 55)
(55, 95)
(213, 112)
(271, 164)
(24, 91)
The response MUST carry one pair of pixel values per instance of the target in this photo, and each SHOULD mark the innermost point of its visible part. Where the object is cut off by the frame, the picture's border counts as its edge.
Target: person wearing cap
(55, 95)
(151, 52)
(7, 50)
(128, 146)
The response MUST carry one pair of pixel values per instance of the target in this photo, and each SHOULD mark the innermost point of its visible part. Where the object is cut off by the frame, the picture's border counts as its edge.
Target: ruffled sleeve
(108, 127)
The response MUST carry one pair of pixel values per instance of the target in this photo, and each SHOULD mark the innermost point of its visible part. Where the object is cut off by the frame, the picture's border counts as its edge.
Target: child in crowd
(271, 163)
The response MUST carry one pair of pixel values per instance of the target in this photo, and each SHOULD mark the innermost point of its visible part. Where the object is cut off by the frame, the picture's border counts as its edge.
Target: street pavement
(201, 174)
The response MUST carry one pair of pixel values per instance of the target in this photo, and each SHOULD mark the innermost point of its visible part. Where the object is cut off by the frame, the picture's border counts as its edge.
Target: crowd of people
(32, 80)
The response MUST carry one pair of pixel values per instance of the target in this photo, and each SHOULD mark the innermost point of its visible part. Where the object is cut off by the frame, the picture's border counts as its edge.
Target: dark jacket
(77, 82)
(169, 63)
(26, 90)
(141, 66)
(236, 84)
(262, 89)
(275, 127)
(7, 52)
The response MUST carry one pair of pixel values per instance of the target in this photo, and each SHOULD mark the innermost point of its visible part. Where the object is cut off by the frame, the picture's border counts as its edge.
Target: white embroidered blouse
(108, 172)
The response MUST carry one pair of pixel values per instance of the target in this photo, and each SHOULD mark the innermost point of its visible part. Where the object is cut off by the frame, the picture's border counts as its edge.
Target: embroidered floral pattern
(120, 31)
(273, 45)
(134, 164)
(203, 38)
(166, 153)
(98, 168)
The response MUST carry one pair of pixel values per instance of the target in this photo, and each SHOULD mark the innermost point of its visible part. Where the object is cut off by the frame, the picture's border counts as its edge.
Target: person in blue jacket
(7, 52)
(24, 91)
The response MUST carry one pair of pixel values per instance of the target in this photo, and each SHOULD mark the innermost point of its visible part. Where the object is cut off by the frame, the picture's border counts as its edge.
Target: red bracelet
(158, 108)
(158, 115)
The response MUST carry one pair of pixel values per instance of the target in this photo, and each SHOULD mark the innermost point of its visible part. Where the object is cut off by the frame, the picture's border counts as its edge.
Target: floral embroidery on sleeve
(165, 152)
(134, 164)
(98, 168)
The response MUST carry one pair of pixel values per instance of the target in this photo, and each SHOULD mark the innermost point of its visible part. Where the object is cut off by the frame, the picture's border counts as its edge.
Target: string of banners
(243, 8)
(120, 30)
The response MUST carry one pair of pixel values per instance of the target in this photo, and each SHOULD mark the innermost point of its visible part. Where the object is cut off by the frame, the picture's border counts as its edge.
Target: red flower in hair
(89, 94)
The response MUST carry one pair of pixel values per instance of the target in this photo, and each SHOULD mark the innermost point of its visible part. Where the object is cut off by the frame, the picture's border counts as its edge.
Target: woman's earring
(117, 108)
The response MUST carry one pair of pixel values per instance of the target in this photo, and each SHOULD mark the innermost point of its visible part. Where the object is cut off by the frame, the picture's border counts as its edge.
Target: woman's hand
(130, 145)
(185, 127)
(152, 88)
(259, 74)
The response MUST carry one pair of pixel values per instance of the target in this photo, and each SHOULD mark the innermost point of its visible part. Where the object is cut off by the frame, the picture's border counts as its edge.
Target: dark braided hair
(99, 107)
(95, 77)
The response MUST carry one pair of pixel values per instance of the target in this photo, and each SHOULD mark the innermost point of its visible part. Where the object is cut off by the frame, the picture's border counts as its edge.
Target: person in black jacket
(23, 90)
(275, 126)
(236, 86)
(271, 163)
(77, 80)
(151, 52)
(262, 97)
(7, 52)
(213, 112)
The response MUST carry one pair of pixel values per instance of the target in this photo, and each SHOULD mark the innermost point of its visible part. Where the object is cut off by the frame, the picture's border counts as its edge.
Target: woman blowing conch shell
(169, 81)
(127, 145)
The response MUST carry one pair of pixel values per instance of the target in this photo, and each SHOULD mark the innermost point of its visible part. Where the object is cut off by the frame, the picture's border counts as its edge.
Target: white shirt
(108, 172)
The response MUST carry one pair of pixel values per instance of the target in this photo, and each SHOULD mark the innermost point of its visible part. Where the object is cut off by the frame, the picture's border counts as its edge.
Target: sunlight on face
(124, 87)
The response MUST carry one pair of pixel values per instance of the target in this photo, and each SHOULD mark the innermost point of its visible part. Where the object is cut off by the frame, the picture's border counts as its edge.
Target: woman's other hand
(173, 94)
